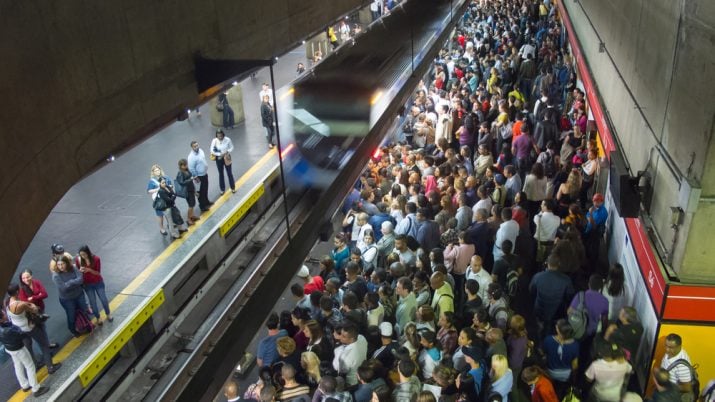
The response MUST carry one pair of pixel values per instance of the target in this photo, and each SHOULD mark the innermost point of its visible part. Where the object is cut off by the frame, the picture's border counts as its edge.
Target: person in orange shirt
(516, 127)
(539, 384)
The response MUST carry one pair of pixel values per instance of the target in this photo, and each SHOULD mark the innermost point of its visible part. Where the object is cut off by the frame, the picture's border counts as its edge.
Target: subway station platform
(111, 212)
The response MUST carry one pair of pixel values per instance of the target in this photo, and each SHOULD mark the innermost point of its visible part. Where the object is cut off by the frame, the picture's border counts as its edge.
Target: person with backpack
(680, 368)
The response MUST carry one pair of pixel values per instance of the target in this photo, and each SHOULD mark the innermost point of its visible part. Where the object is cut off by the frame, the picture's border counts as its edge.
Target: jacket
(69, 284)
(11, 337)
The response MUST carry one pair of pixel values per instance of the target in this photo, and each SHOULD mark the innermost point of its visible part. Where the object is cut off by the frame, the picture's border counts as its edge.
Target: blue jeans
(71, 306)
(97, 289)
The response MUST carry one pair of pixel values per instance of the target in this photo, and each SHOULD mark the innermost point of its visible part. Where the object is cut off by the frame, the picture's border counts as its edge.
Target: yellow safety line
(74, 343)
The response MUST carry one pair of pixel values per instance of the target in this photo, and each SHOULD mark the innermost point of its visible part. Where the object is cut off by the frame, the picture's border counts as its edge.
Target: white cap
(386, 329)
(304, 272)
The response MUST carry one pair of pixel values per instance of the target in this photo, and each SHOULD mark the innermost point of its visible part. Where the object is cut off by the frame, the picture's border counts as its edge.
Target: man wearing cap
(474, 358)
(595, 226)
(58, 251)
(499, 193)
(385, 352)
(312, 283)
(596, 216)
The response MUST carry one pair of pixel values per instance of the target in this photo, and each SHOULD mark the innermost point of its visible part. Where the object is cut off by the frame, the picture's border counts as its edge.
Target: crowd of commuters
(468, 268)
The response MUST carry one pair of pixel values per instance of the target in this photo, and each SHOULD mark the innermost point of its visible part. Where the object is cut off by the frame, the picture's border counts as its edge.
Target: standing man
(199, 170)
(267, 119)
(265, 91)
(678, 366)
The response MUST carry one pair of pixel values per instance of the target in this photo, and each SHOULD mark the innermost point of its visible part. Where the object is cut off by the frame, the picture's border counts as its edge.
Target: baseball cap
(304, 272)
(386, 329)
(57, 249)
(598, 197)
(473, 353)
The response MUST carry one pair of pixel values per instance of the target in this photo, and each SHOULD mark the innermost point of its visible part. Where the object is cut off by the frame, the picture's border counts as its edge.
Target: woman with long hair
(32, 290)
(69, 286)
(90, 266)
(615, 290)
(501, 378)
(311, 364)
(317, 342)
(609, 373)
(517, 342)
(186, 190)
(568, 192)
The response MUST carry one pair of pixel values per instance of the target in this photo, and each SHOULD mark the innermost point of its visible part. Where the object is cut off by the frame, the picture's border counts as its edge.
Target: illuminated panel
(121, 337)
(240, 211)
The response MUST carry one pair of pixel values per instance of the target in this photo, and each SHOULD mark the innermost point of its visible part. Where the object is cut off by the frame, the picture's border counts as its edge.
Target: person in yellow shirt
(332, 37)
(443, 299)
(493, 82)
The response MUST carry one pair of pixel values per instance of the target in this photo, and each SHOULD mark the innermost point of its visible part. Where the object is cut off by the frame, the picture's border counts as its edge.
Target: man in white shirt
(484, 201)
(680, 374)
(350, 355)
(508, 230)
(478, 273)
(546, 223)
(266, 91)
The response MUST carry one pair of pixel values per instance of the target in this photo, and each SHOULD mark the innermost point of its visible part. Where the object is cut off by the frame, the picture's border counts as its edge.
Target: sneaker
(221, 192)
(53, 368)
(26, 389)
(41, 391)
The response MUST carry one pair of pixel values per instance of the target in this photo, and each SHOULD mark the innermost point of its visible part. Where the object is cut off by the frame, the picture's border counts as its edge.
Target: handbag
(212, 157)
(227, 160)
(82, 322)
(159, 204)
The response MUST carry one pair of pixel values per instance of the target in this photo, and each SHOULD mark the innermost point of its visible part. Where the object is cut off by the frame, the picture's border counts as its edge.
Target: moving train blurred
(325, 114)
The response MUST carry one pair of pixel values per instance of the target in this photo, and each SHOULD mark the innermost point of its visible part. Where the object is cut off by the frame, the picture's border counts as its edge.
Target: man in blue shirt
(595, 227)
(199, 170)
(267, 352)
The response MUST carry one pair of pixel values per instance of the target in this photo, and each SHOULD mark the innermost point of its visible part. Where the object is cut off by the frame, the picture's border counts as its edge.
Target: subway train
(326, 113)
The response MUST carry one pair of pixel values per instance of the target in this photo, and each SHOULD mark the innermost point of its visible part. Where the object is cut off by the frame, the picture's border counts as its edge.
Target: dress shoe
(53, 368)
(41, 391)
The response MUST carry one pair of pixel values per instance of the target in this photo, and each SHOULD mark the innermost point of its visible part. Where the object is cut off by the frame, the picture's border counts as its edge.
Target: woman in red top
(32, 290)
(90, 267)
(539, 384)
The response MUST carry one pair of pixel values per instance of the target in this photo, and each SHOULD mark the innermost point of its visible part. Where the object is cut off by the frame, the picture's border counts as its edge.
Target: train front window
(328, 125)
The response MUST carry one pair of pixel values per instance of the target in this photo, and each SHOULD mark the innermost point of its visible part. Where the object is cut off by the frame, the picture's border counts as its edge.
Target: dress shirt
(483, 278)
(508, 230)
(219, 148)
(349, 357)
(197, 163)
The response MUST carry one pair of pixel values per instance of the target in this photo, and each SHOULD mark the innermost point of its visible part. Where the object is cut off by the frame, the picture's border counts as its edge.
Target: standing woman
(186, 189)
(69, 285)
(165, 201)
(155, 176)
(501, 378)
(90, 266)
(24, 315)
(615, 291)
(32, 290)
(221, 148)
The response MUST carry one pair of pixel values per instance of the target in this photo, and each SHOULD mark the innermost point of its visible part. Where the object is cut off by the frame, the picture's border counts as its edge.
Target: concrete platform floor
(111, 212)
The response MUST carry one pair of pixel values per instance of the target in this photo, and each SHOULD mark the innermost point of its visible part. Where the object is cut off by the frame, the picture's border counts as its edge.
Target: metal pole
(280, 148)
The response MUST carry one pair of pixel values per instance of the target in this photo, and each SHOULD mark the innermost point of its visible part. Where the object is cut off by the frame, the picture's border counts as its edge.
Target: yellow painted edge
(119, 339)
(241, 210)
(74, 343)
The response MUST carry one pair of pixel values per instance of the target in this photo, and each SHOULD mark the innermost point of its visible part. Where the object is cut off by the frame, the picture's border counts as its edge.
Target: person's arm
(193, 160)
(229, 146)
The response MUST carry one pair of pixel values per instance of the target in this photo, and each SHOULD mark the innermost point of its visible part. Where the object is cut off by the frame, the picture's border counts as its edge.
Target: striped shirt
(681, 372)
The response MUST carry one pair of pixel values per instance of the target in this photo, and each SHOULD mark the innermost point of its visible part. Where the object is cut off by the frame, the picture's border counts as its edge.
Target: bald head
(230, 390)
(436, 280)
